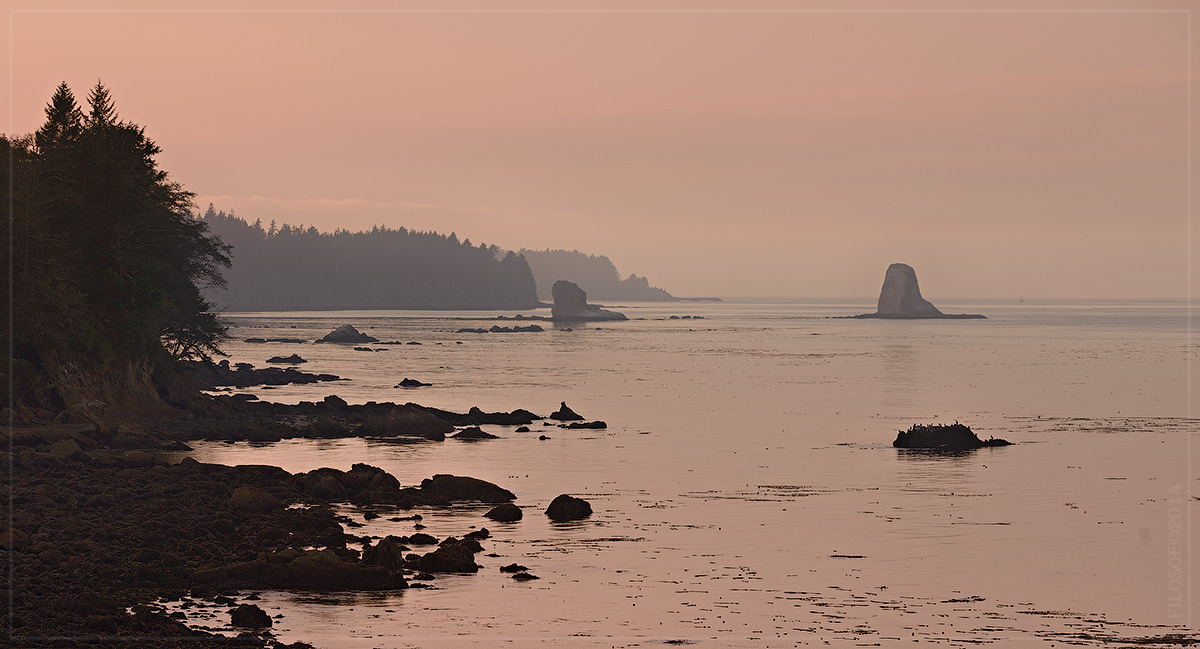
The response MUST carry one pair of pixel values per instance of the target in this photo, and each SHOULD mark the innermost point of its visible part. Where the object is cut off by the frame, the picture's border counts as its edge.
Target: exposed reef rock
(412, 383)
(292, 360)
(943, 437)
(347, 334)
(901, 298)
(570, 305)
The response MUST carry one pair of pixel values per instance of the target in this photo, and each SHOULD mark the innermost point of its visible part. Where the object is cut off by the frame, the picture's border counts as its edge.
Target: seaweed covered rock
(946, 437)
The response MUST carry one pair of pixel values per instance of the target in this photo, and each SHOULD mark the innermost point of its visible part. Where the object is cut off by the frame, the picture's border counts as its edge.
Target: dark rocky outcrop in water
(568, 508)
(570, 305)
(945, 437)
(477, 417)
(412, 383)
(294, 359)
(564, 413)
(454, 488)
(901, 298)
(506, 513)
(474, 432)
(408, 420)
(347, 334)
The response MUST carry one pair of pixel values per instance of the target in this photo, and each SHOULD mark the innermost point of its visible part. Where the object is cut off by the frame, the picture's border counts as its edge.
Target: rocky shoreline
(104, 533)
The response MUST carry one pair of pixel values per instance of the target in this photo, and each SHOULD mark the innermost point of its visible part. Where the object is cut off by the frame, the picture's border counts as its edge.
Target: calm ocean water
(746, 491)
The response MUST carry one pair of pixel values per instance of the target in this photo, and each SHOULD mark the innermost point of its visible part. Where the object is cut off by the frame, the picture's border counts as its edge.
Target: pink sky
(1001, 153)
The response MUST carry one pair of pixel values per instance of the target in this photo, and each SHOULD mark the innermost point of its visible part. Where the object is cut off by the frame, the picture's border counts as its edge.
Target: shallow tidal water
(746, 492)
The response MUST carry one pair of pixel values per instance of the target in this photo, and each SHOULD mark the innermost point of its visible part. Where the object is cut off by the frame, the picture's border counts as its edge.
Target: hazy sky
(1000, 153)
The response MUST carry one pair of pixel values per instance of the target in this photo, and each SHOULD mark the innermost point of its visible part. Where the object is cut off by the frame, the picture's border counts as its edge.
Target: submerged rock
(347, 334)
(952, 437)
(901, 298)
(570, 305)
(568, 508)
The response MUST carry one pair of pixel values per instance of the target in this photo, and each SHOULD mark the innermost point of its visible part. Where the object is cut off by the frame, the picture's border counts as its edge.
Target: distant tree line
(290, 267)
(107, 262)
(595, 274)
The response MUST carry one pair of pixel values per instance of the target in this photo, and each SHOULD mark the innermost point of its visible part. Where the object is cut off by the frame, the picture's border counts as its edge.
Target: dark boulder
(449, 557)
(250, 616)
(513, 567)
(570, 305)
(254, 499)
(293, 359)
(329, 488)
(568, 508)
(952, 437)
(456, 488)
(506, 513)
(525, 576)
(347, 334)
(412, 383)
(389, 553)
(523, 429)
(326, 427)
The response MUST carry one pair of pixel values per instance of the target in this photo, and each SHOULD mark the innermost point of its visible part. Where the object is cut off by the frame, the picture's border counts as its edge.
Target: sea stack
(901, 298)
(570, 305)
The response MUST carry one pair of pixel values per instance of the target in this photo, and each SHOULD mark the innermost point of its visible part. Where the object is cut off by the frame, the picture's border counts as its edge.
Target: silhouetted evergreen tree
(107, 262)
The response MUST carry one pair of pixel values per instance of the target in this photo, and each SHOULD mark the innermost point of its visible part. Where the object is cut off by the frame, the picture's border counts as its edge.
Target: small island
(570, 305)
(901, 299)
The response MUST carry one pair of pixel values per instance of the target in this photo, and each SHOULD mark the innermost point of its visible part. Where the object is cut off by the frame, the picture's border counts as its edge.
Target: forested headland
(107, 264)
(595, 274)
(291, 267)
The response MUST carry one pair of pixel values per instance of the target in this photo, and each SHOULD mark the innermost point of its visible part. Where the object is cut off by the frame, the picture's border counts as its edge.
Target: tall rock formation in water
(901, 298)
(570, 304)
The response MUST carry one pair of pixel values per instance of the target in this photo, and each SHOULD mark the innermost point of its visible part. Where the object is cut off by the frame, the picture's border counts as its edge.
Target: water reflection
(931, 470)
